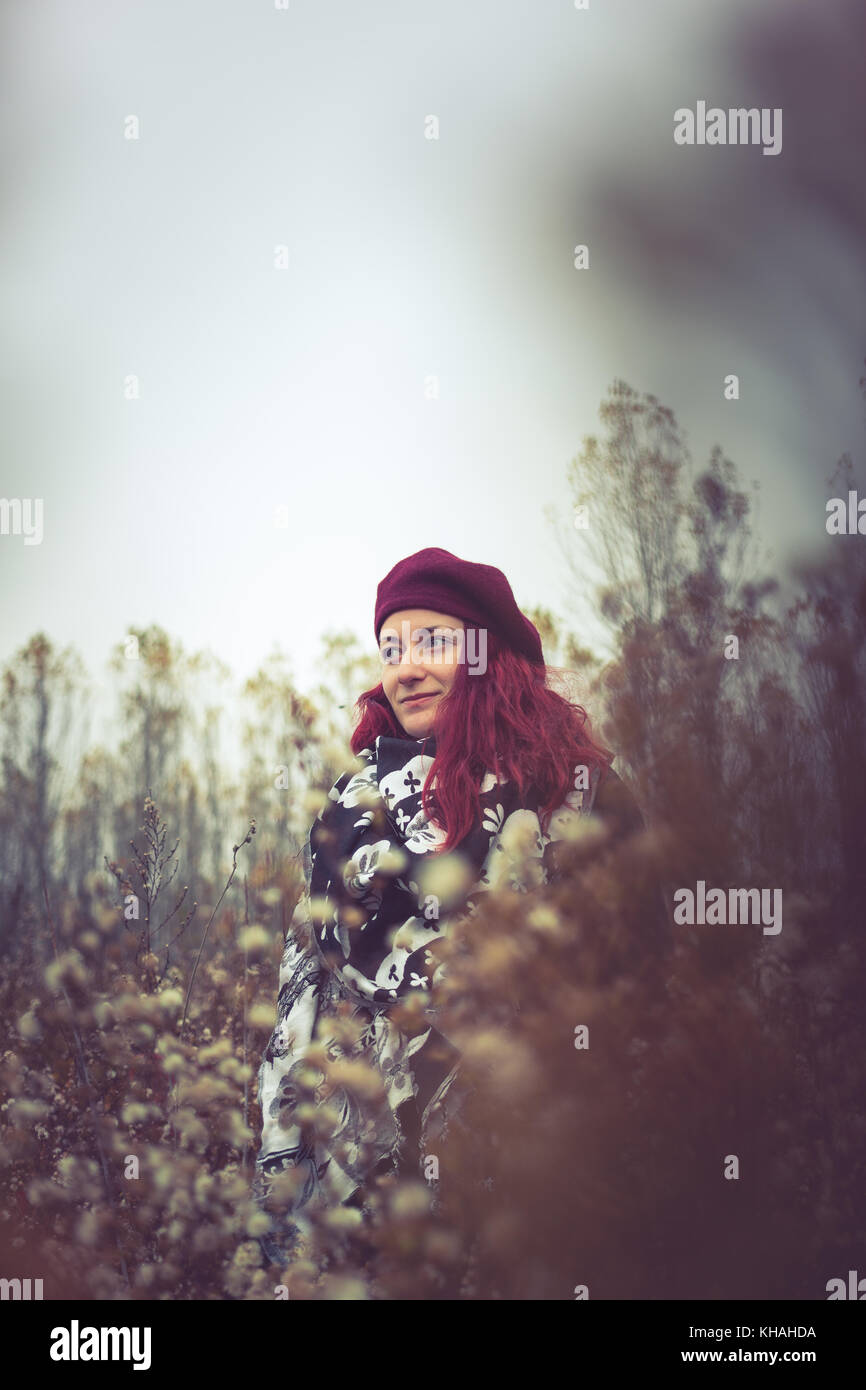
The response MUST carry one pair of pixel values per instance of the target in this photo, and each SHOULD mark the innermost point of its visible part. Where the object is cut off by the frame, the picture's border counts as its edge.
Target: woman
(463, 748)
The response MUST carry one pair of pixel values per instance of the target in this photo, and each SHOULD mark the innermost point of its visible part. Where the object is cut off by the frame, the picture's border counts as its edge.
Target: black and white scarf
(344, 944)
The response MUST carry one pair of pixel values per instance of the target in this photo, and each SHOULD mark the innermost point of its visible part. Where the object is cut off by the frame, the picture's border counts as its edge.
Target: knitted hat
(479, 594)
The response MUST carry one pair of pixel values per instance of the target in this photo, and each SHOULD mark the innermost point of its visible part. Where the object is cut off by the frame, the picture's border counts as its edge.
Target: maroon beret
(479, 594)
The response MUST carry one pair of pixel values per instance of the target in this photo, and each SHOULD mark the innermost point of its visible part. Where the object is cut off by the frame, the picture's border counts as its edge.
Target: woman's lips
(417, 699)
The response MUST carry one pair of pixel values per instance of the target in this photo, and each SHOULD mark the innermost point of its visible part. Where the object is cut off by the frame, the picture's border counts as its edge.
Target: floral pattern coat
(361, 886)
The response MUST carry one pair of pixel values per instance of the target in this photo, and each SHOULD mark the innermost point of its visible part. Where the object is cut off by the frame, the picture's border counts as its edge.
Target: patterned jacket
(363, 932)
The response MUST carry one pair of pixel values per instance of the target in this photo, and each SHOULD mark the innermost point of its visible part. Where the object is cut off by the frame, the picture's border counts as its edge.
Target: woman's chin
(418, 726)
(418, 729)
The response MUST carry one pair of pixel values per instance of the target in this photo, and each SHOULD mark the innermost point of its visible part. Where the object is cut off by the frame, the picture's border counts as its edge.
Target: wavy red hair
(534, 736)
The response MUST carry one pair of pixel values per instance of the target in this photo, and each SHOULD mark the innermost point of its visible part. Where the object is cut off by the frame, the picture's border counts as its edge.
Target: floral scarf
(356, 875)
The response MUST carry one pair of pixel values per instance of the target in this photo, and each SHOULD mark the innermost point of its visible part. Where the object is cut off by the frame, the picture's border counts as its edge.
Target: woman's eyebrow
(440, 627)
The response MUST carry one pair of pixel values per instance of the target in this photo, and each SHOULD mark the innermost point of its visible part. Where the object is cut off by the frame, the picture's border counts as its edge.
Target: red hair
(520, 729)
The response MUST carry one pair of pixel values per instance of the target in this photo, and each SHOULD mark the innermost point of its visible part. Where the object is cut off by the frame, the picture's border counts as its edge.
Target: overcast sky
(408, 258)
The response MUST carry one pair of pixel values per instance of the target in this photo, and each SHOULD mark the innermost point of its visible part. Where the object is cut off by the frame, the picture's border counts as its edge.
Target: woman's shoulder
(361, 771)
(350, 790)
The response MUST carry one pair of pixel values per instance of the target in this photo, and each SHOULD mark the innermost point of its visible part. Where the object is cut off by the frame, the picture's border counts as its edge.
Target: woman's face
(420, 655)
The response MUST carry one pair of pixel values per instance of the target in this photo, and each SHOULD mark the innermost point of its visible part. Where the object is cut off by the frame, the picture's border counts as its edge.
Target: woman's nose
(408, 665)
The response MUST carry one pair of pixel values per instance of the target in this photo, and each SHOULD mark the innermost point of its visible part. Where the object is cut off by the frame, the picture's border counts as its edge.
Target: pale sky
(407, 257)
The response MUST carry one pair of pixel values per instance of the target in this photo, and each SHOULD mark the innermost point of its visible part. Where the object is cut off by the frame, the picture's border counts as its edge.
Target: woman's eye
(425, 646)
